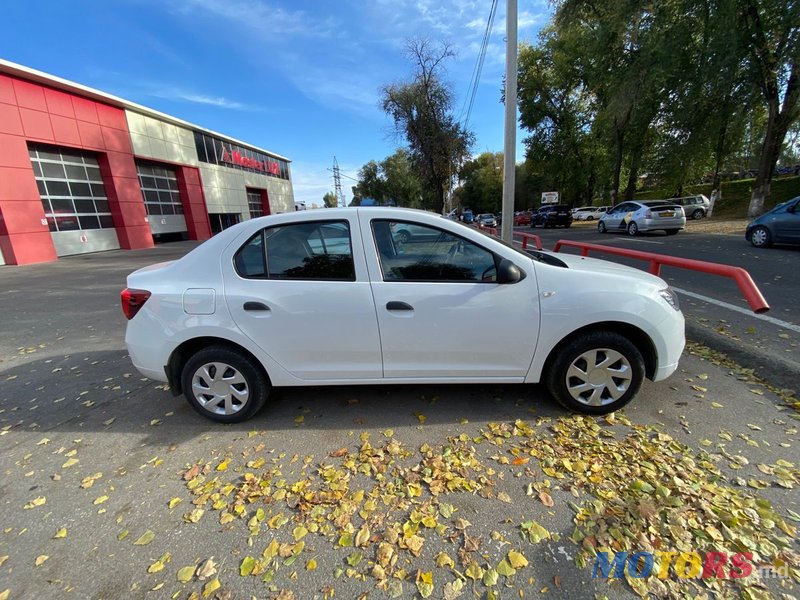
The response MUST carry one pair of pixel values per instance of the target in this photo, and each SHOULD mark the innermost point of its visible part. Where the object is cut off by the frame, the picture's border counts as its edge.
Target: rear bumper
(657, 224)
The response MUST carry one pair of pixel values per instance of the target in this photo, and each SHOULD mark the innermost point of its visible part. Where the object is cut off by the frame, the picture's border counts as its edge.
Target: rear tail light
(132, 301)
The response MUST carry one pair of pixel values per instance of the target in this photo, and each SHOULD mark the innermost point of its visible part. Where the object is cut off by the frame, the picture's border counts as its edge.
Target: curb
(772, 368)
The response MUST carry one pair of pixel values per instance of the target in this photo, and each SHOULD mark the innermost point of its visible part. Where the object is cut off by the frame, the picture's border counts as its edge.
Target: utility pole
(510, 143)
(337, 183)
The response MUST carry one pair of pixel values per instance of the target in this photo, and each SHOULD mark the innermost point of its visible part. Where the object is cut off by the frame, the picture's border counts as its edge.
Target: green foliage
(482, 187)
(329, 200)
(392, 181)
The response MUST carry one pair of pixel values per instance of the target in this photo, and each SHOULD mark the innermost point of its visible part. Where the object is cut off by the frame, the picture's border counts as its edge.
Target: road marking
(739, 309)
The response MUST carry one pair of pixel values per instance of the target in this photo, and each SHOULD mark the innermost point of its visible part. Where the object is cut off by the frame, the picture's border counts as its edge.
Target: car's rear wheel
(224, 384)
(633, 228)
(596, 373)
(760, 237)
(601, 227)
(589, 218)
(698, 214)
(672, 231)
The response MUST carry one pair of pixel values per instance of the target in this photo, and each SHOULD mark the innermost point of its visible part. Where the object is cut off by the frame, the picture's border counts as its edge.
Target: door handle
(395, 305)
(255, 306)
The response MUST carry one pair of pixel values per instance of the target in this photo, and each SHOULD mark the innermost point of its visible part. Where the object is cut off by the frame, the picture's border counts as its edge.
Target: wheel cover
(220, 389)
(633, 229)
(759, 236)
(599, 377)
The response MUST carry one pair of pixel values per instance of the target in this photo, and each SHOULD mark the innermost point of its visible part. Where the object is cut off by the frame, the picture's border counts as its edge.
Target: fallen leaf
(40, 559)
(61, 533)
(211, 587)
(185, 574)
(145, 538)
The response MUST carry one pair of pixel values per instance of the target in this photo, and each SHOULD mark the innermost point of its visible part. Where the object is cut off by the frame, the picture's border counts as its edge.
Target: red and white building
(84, 171)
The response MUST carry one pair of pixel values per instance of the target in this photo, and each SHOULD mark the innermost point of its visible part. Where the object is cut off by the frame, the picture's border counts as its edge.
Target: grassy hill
(735, 195)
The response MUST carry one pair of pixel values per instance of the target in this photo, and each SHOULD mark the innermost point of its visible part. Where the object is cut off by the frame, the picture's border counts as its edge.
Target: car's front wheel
(760, 237)
(224, 384)
(596, 373)
(698, 214)
(601, 227)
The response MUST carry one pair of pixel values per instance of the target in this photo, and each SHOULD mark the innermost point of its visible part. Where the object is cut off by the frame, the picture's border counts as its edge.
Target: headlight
(671, 297)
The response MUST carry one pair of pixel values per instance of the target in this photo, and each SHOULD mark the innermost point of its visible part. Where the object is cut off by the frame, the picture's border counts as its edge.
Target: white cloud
(196, 98)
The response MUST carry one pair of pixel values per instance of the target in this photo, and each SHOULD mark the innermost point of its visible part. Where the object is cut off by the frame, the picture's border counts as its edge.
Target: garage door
(161, 197)
(74, 200)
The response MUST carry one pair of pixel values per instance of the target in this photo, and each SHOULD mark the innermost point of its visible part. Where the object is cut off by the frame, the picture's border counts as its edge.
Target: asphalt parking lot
(111, 487)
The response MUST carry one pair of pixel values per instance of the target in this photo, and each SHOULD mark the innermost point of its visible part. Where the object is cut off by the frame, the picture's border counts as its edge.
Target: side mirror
(508, 272)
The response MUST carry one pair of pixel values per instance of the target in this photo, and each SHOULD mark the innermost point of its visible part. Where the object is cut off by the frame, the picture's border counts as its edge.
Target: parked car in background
(268, 303)
(781, 225)
(406, 232)
(575, 210)
(486, 220)
(552, 215)
(467, 216)
(522, 218)
(590, 214)
(694, 207)
(635, 217)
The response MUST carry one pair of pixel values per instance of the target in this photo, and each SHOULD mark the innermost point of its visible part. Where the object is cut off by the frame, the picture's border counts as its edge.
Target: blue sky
(298, 78)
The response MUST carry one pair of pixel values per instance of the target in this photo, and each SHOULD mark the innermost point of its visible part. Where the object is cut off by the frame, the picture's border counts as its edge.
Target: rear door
(301, 292)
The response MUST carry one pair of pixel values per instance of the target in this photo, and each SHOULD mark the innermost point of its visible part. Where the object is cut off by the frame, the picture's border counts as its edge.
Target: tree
(391, 181)
(370, 184)
(330, 200)
(421, 111)
(771, 32)
(482, 187)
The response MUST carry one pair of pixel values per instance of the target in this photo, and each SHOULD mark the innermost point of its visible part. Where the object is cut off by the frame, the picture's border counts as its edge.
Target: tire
(589, 218)
(403, 237)
(698, 214)
(616, 385)
(601, 227)
(202, 370)
(633, 228)
(672, 231)
(760, 237)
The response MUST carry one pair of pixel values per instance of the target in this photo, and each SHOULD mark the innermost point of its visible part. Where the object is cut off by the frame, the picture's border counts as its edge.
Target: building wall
(224, 188)
(34, 113)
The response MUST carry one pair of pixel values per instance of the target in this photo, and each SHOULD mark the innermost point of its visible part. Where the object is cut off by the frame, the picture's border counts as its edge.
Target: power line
(472, 91)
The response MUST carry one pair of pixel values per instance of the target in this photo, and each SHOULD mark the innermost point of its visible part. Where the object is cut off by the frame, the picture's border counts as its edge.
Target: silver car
(634, 217)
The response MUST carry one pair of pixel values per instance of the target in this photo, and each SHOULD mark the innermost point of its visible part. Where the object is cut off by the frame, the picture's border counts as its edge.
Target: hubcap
(220, 389)
(759, 237)
(599, 377)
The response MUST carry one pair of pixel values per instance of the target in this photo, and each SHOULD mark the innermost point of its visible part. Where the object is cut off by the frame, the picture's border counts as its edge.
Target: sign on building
(549, 197)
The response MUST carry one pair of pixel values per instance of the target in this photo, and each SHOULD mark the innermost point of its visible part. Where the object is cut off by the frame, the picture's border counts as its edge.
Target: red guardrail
(742, 278)
(521, 234)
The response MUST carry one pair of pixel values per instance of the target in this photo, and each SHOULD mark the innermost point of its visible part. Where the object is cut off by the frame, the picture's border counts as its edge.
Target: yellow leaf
(223, 466)
(474, 571)
(40, 559)
(61, 533)
(299, 533)
(36, 502)
(100, 500)
(299, 419)
(185, 574)
(362, 537)
(517, 560)
(311, 565)
(211, 587)
(444, 560)
(420, 417)
(145, 538)
(174, 502)
(194, 516)
(248, 563)
(5, 593)
(70, 462)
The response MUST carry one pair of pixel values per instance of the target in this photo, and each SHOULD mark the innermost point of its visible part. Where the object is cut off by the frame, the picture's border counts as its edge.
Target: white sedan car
(330, 298)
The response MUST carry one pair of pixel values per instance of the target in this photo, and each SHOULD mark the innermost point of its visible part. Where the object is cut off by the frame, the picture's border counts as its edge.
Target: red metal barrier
(520, 234)
(742, 278)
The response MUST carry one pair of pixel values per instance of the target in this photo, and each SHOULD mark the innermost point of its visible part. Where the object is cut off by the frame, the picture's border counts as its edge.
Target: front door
(440, 311)
(299, 294)
(787, 224)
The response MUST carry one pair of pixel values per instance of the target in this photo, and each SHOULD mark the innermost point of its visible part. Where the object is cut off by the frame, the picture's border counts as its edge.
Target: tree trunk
(619, 136)
(633, 176)
(779, 120)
